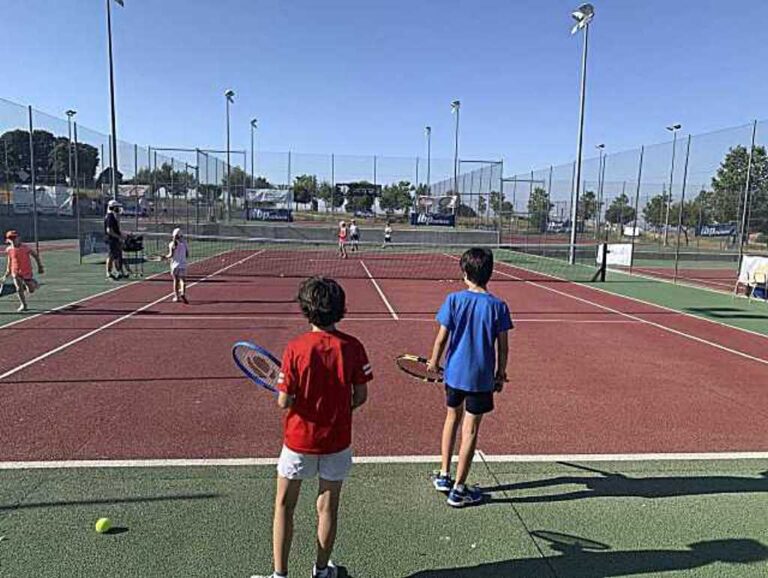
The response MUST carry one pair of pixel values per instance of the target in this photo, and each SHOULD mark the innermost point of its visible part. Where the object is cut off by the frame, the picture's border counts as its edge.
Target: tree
(397, 197)
(51, 158)
(587, 206)
(729, 183)
(620, 212)
(465, 211)
(655, 210)
(105, 178)
(357, 202)
(304, 189)
(328, 194)
(539, 207)
(482, 206)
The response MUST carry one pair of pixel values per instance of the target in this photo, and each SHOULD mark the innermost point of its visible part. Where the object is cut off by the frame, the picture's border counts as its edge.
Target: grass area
(702, 519)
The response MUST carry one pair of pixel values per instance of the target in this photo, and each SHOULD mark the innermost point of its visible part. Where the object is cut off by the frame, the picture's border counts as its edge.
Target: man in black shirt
(114, 239)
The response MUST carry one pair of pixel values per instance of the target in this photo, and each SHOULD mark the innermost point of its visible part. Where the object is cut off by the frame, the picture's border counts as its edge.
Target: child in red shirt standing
(324, 378)
(19, 266)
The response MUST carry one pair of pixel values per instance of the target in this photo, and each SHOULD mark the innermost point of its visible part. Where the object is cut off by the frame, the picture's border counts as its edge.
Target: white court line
(641, 320)
(635, 317)
(83, 300)
(666, 277)
(381, 293)
(412, 459)
(297, 317)
(101, 328)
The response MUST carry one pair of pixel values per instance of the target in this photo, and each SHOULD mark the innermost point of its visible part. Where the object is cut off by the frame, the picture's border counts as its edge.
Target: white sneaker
(21, 309)
(330, 571)
(175, 299)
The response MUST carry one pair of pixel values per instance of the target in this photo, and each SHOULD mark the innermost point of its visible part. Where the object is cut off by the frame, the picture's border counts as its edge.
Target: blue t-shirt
(474, 321)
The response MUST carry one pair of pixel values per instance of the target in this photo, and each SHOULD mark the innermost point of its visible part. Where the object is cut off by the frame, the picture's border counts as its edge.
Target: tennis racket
(416, 366)
(258, 364)
(6, 287)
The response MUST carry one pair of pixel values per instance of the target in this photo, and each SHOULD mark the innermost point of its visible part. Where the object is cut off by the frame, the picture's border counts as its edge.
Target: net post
(600, 273)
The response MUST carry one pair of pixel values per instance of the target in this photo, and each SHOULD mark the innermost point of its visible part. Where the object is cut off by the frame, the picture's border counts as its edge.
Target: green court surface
(64, 282)
(686, 518)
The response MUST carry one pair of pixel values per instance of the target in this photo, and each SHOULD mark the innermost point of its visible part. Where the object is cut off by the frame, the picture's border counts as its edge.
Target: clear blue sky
(364, 77)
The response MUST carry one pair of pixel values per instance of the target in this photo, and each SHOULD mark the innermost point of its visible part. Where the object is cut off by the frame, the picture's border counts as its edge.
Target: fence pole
(682, 207)
(136, 180)
(637, 206)
(173, 192)
(747, 185)
(154, 186)
(33, 181)
(77, 199)
(186, 195)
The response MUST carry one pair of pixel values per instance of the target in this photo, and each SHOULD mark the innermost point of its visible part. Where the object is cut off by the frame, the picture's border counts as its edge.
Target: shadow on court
(615, 485)
(135, 500)
(576, 560)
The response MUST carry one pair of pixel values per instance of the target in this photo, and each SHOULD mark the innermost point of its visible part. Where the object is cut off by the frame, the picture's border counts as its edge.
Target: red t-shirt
(318, 370)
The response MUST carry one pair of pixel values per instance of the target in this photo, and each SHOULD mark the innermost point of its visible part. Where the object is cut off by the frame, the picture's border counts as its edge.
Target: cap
(176, 233)
(112, 204)
(12, 234)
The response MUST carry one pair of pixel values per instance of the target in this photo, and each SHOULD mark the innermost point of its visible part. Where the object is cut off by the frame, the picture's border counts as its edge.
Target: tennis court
(664, 406)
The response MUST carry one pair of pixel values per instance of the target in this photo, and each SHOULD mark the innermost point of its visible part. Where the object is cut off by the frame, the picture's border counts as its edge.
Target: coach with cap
(114, 240)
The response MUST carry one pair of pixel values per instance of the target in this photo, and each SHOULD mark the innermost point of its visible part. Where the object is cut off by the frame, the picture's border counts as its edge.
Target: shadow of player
(619, 485)
(577, 561)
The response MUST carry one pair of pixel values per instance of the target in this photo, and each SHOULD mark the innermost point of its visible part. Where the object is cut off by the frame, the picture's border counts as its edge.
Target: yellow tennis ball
(103, 525)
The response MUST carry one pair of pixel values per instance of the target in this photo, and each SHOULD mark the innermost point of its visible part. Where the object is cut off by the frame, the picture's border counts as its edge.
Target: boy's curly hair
(322, 300)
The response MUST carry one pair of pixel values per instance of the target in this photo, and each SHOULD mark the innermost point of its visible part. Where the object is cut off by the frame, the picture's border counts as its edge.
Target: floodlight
(583, 16)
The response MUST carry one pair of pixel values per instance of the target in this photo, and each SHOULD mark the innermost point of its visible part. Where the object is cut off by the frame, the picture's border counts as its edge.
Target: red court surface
(130, 375)
(719, 279)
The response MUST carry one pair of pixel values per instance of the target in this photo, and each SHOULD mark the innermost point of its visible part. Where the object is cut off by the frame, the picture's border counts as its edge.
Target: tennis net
(267, 257)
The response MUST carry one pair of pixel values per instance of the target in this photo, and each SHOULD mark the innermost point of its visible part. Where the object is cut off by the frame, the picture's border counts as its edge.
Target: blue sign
(726, 230)
(433, 220)
(285, 215)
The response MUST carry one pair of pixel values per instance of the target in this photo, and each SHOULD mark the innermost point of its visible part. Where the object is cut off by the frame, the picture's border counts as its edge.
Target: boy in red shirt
(19, 266)
(324, 378)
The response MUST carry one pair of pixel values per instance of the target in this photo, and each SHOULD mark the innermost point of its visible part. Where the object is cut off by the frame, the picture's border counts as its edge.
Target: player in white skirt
(177, 255)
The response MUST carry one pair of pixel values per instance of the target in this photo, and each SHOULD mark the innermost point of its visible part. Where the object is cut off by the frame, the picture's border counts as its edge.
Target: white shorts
(331, 467)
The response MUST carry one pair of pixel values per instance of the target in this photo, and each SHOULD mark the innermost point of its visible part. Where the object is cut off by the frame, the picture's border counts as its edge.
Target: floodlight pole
(254, 123)
(70, 113)
(456, 107)
(579, 148)
(428, 131)
(113, 141)
(673, 129)
(229, 94)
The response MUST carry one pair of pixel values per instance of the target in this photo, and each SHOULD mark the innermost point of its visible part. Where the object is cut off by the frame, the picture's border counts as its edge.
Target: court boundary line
(383, 459)
(384, 317)
(78, 302)
(645, 321)
(381, 293)
(687, 281)
(630, 298)
(630, 315)
(112, 323)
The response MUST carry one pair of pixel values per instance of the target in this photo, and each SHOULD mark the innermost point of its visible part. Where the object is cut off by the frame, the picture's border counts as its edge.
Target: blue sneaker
(466, 497)
(442, 483)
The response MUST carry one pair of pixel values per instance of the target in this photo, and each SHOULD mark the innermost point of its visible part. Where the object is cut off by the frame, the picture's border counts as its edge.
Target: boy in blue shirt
(474, 326)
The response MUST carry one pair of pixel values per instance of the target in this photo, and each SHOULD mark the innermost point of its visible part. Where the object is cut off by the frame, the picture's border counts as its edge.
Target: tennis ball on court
(103, 525)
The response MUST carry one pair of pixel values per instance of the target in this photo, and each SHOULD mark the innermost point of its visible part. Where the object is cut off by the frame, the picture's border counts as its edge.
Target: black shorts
(115, 249)
(354, 237)
(474, 403)
(387, 239)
